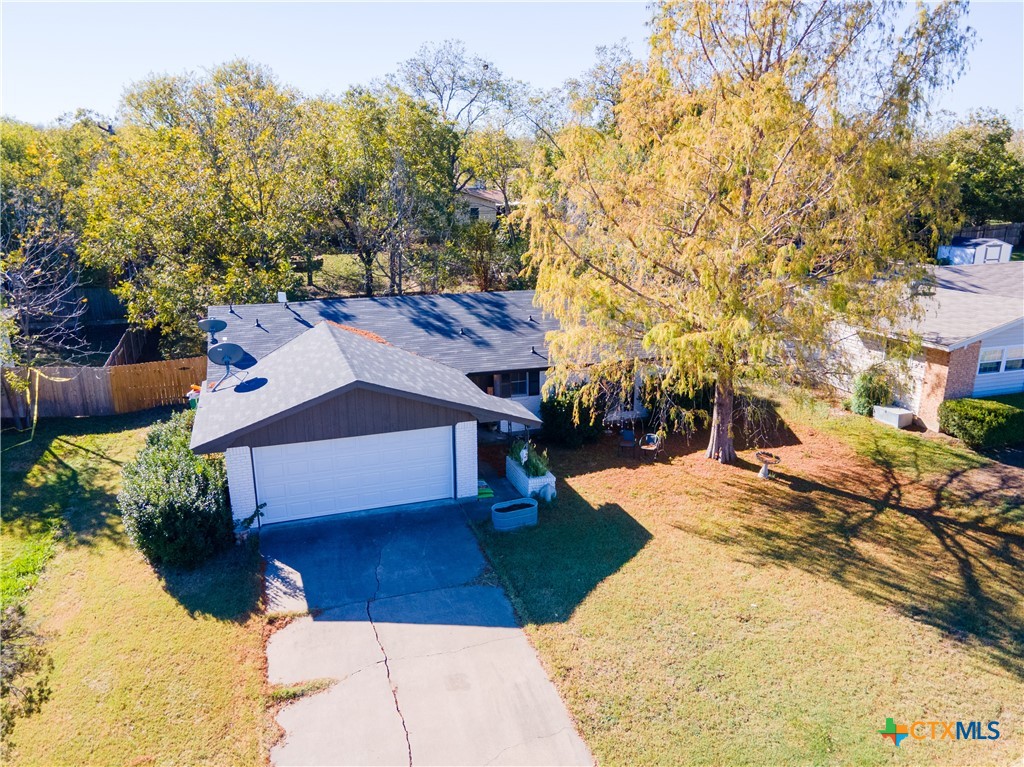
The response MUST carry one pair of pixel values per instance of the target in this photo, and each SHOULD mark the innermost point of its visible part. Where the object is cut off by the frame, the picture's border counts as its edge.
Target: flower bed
(526, 485)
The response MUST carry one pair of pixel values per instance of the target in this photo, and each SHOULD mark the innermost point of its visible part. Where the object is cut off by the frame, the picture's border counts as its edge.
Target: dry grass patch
(691, 613)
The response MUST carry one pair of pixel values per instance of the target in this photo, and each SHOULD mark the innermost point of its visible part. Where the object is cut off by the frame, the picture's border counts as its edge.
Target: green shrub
(536, 464)
(870, 388)
(174, 502)
(568, 421)
(982, 423)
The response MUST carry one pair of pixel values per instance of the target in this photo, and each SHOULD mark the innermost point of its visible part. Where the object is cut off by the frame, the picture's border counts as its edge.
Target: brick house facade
(947, 375)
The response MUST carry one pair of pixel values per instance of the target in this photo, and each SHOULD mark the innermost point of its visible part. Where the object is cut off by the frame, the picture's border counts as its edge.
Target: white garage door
(311, 479)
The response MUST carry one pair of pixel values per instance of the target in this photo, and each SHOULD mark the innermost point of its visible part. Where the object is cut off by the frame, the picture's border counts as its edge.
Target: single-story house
(350, 404)
(972, 338)
(481, 204)
(975, 250)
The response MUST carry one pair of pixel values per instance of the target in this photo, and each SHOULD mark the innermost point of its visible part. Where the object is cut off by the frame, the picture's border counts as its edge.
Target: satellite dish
(212, 326)
(226, 354)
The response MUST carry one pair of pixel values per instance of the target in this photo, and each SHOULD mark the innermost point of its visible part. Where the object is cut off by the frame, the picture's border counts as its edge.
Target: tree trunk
(395, 263)
(720, 446)
(367, 260)
(16, 403)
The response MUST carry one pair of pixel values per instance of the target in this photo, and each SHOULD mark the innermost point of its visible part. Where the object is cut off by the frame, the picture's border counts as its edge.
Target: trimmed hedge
(870, 388)
(982, 423)
(174, 502)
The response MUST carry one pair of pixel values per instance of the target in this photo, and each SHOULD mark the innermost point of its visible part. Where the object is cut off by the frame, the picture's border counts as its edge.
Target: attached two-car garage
(313, 479)
(333, 422)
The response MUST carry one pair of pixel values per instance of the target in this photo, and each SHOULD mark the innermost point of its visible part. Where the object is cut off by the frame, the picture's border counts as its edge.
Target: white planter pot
(528, 486)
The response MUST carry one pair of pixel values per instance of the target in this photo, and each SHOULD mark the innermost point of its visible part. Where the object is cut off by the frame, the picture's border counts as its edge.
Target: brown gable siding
(352, 414)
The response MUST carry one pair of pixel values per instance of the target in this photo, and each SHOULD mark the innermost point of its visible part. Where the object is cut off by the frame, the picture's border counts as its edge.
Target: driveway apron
(426, 662)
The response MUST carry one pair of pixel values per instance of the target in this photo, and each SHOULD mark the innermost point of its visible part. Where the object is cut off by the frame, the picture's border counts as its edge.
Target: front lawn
(693, 613)
(147, 669)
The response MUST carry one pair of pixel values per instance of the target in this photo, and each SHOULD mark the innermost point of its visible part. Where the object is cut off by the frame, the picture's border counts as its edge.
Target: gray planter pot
(508, 515)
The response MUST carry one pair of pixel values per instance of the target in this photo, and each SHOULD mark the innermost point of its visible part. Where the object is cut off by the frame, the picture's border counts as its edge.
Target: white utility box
(899, 417)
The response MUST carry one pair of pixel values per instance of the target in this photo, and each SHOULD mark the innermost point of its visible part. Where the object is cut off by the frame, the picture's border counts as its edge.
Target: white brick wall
(856, 353)
(238, 463)
(465, 459)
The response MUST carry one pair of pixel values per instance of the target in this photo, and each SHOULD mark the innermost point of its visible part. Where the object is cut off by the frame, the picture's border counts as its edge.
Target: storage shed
(982, 250)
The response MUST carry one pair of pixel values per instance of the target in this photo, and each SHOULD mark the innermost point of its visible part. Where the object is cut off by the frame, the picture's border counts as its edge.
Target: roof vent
(462, 331)
(532, 319)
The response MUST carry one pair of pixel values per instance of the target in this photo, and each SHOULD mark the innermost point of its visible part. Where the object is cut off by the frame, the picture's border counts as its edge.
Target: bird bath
(766, 459)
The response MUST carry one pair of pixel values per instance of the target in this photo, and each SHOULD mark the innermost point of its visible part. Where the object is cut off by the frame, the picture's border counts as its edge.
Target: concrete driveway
(431, 666)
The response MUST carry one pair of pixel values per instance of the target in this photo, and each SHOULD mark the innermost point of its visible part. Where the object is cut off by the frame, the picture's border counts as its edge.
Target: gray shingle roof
(968, 301)
(471, 332)
(325, 361)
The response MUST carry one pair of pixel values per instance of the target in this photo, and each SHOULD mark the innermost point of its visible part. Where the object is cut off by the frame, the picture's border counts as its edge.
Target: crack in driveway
(498, 755)
(387, 665)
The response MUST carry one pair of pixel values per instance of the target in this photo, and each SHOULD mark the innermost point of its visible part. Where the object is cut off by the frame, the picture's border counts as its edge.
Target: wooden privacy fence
(87, 391)
(128, 349)
(151, 384)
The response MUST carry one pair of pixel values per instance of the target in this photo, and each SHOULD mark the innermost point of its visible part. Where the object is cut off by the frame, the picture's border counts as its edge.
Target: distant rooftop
(471, 332)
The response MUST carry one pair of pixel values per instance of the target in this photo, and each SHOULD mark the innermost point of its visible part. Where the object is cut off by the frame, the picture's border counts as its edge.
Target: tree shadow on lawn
(226, 587)
(67, 477)
(554, 566)
(953, 560)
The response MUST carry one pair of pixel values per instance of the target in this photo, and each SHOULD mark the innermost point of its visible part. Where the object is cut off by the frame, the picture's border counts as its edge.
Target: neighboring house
(981, 250)
(349, 404)
(480, 204)
(972, 335)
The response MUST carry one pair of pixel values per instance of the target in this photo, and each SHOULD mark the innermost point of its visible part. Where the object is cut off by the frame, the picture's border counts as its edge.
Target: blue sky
(60, 56)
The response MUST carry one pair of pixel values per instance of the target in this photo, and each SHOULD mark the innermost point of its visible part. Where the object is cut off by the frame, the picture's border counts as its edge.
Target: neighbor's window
(1014, 359)
(990, 361)
(474, 214)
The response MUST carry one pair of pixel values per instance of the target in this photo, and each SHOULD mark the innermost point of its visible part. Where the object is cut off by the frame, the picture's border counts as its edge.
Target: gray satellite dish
(225, 354)
(213, 327)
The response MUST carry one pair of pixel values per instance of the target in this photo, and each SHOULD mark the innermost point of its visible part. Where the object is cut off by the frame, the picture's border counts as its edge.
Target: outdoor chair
(652, 445)
(627, 440)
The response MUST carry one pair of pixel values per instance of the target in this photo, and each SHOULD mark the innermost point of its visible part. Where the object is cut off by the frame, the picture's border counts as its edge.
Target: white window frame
(1003, 359)
(1019, 355)
(999, 362)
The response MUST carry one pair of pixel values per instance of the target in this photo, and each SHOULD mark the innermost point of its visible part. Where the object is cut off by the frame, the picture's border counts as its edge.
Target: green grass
(1015, 400)
(691, 613)
(288, 693)
(149, 667)
(890, 448)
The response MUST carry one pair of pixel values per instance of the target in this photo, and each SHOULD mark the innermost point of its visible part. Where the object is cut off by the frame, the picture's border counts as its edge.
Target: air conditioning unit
(899, 417)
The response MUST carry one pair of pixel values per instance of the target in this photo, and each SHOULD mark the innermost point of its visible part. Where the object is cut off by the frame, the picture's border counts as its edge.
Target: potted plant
(527, 469)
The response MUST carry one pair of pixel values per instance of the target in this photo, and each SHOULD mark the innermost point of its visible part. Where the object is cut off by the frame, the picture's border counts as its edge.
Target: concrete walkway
(431, 666)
